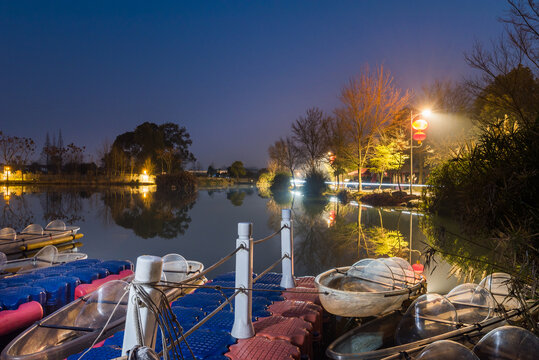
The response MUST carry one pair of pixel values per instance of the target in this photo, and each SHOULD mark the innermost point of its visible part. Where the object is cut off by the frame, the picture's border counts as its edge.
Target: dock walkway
(287, 323)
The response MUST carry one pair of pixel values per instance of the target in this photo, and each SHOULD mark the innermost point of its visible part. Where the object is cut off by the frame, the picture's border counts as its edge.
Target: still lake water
(125, 222)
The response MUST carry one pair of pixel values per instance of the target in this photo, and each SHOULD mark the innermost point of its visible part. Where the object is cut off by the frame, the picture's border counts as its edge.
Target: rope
(219, 287)
(175, 343)
(270, 267)
(213, 267)
(105, 326)
(270, 236)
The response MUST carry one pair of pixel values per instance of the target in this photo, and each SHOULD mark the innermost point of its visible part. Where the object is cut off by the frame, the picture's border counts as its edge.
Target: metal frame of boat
(385, 327)
(359, 303)
(47, 340)
(26, 265)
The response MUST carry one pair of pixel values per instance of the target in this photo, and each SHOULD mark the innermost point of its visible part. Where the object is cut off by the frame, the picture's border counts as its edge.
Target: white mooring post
(148, 270)
(287, 248)
(243, 324)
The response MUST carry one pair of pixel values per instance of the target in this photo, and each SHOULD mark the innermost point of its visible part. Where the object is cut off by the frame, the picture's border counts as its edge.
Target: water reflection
(237, 195)
(150, 213)
(329, 234)
(16, 212)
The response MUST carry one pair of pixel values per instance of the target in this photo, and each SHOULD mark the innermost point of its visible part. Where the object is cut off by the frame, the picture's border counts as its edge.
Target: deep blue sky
(235, 74)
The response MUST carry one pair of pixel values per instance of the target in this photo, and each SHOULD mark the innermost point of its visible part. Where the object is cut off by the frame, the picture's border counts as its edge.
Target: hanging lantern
(420, 125)
(419, 136)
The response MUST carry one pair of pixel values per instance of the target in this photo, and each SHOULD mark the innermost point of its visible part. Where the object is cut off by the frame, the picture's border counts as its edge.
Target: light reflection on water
(125, 222)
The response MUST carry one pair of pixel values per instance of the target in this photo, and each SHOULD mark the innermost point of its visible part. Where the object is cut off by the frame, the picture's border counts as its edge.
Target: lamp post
(421, 125)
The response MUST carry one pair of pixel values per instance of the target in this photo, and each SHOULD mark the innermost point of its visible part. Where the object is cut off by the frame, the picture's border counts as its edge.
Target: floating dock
(287, 323)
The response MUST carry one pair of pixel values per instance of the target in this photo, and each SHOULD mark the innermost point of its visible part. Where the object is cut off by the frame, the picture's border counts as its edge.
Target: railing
(141, 323)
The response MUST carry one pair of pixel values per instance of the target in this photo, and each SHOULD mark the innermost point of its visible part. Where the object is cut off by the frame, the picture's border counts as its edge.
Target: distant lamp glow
(426, 112)
(144, 171)
(420, 125)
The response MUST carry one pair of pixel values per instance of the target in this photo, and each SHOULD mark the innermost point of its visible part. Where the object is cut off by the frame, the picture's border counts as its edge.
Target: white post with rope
(148, 270)
(287, 250)
(243, 324)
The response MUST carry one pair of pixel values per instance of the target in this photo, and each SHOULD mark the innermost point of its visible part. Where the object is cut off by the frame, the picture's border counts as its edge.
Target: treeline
(149, 147)
(369, 133)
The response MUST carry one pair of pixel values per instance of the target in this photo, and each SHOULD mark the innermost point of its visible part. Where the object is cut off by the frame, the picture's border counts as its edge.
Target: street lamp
(419, 125)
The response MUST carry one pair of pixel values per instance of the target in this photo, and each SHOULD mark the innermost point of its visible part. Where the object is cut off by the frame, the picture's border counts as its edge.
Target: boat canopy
(107, 304)
(47, 255)
(428, 316)
(386, 274)
(175, 268)
(446, 349)
(474, 303)
(508, 342)
(33, 229)
(56, 225)
(499, 285)
(8, 233)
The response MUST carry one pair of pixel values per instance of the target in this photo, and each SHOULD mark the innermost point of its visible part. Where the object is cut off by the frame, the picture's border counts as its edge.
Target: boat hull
(361, 304)
(42, 343)
(376, 339)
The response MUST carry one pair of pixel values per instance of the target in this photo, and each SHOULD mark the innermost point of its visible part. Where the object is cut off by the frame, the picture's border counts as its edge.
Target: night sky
(235, 74)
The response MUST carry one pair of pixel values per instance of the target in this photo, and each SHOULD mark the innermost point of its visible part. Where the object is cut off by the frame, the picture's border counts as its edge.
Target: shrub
(315, 183)
(264, 180)
(280, 183)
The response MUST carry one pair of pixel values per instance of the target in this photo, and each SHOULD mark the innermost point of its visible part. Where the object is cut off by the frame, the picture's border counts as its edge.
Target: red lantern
(419, 136)
(420, 125)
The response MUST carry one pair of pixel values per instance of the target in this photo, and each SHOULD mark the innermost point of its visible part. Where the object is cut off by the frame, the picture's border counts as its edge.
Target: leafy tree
(236, 169)
(386, 157)
(167, 142)
(370, 102)
(310, 135)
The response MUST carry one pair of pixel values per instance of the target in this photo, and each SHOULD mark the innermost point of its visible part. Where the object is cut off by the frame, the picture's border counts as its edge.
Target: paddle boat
(370, 287)
(464, 315)
(47, 256)
(95, 316)
(35, 237)
(506, 342)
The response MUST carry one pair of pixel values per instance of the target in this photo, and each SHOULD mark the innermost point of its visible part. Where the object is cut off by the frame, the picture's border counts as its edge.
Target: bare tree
(310, 133)
(16, 150)
(523, 28)
(447, 97)
(285, 154)
(370, 102)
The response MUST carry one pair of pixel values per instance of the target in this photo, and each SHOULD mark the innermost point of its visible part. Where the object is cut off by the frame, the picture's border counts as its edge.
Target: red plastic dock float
(84, 289)
(302, 294)
(306, 281)
(262, 348)
(299, 309)
(25, 315)
(294, 330)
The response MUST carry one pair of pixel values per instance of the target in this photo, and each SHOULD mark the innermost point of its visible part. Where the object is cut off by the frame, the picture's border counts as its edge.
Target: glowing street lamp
(419, 125)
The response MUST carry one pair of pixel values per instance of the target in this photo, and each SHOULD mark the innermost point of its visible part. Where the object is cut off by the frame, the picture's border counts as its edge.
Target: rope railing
(269, 268)
(255, 242)
(201, 322)
(213, 267)
(242, 289)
